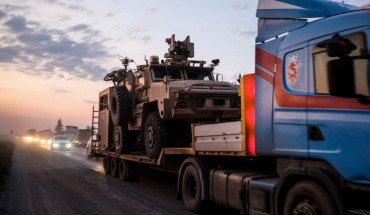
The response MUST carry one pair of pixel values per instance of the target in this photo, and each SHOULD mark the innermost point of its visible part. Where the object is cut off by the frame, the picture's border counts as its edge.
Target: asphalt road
(66, 182)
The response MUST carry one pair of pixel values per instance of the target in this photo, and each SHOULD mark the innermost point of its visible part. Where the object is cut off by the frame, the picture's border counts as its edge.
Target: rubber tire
(127, 171)
(114, 167)
(106, 165)
(155, 137)
(122, 140)
(308, 196)
(192, 197)
(120, 106)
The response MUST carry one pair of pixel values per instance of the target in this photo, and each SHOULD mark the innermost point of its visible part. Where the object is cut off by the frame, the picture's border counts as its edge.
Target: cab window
(320, 59)
(199, 75)
(173, 73)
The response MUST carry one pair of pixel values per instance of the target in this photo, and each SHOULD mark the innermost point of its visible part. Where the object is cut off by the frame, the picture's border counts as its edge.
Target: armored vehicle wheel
(154, 135)
(121, 139)
(120, 106)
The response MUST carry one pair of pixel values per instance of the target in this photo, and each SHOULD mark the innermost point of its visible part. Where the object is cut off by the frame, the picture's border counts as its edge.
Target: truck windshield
(173, 73)
(199, 75)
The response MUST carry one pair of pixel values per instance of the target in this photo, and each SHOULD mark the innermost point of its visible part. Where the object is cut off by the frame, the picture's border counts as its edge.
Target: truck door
(339, 127)
(290, 113)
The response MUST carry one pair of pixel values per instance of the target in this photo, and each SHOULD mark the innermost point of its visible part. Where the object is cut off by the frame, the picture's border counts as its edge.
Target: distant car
(80, 142)
(60, 142)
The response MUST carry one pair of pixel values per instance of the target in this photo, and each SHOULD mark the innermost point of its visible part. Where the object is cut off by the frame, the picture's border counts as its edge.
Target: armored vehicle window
(160, 73)
(199, 75)
(321, 59)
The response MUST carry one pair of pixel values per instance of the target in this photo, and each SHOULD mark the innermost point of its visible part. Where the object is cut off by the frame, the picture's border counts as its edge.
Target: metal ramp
(95, 133)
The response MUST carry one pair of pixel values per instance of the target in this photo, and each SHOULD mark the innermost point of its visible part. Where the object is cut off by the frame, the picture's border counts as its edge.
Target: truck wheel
(127, 171)
(114, 167)
(120, 106)
(106, 165)
(191, 189)
(154, 135)
(121, 139)
(307, 197)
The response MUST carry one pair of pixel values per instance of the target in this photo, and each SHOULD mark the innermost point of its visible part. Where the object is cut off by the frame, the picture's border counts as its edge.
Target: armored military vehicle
(158, 101)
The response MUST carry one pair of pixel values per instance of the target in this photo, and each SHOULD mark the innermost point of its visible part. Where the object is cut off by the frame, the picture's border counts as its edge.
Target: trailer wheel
(154, 135)
(106, 165)
(120, 106)
(191, 189)
(114, 167)
(121, 139)
(127, 171)
(307, 197)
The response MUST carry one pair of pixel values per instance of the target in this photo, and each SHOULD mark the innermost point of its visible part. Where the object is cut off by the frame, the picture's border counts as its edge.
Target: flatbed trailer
(301, 145)
(142, 158)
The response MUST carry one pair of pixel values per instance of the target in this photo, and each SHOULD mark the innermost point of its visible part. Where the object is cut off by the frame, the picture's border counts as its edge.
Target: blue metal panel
(327, 26)
(286, 9)
(290, 123)
(346, 144)
(263, 104)
(264, 96)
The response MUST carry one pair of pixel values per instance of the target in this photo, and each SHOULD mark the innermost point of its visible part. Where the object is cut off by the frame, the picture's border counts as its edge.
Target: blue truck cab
(312, 99)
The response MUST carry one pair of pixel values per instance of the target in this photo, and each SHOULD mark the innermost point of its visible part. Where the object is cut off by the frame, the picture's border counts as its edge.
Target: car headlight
(69, 145)
(56, 145)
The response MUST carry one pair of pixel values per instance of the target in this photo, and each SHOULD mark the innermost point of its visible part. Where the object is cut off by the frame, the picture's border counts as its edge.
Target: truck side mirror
(341, 78)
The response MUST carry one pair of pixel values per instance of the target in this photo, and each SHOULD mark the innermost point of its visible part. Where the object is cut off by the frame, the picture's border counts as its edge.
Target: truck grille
(198, 101)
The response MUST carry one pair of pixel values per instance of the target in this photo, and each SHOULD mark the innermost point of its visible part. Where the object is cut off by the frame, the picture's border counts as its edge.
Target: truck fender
(327, 179)
(202, 170)
(147, 109)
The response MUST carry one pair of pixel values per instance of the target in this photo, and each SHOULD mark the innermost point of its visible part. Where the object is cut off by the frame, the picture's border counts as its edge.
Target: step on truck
(301, 144)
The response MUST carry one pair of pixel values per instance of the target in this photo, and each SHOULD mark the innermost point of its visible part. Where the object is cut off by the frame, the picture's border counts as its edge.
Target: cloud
(90, 102)
(60, 91)
(246, 33)
(45, 51)
(150, 12)
(17, 24)
(239, 7)
(73, 7)
(33, 38)
(8, 54)
(84, 29)
(2, 14)
(146, 38)
(137, 33)
(10, 8)
(79, 27)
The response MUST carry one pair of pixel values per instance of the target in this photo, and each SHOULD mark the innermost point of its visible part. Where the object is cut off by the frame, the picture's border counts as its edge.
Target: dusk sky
(54, 54)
